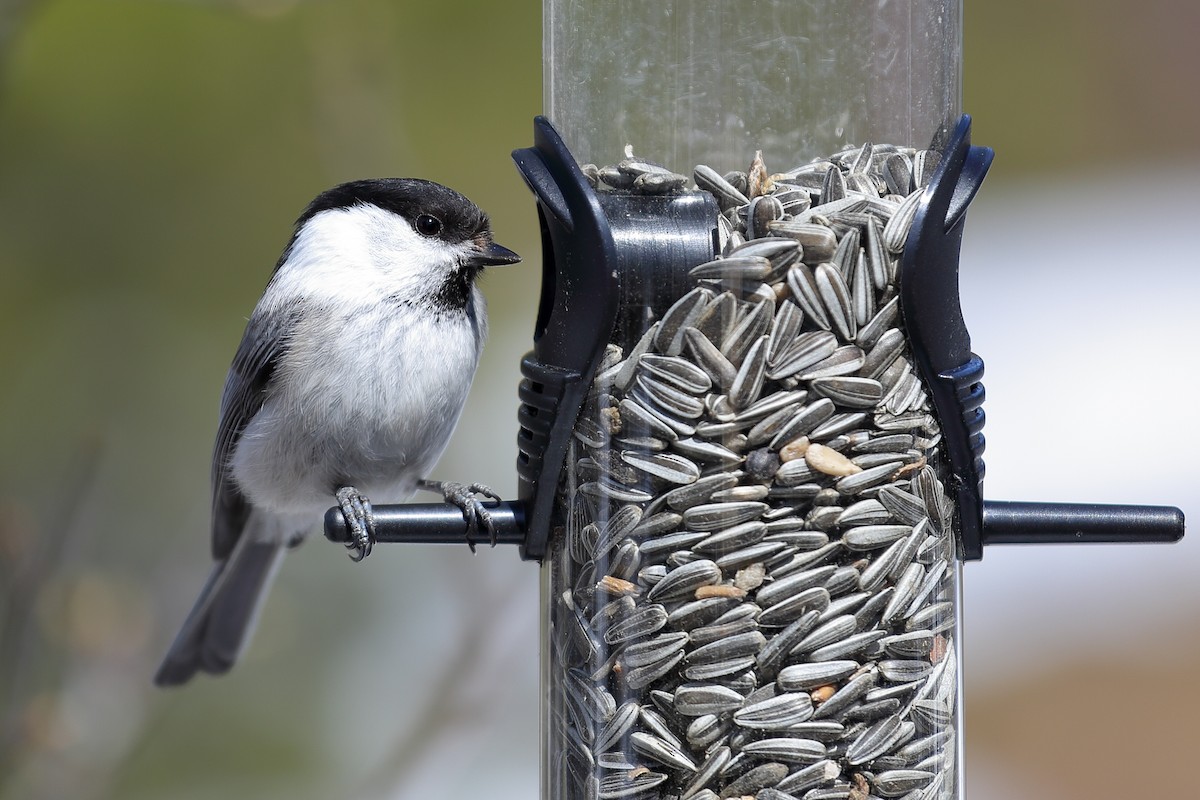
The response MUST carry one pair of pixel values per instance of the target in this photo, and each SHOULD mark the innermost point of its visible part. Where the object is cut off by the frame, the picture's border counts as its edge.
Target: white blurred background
(154, 154)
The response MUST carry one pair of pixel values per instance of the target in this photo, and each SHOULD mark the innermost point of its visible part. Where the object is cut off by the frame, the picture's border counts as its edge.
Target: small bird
(349, 380)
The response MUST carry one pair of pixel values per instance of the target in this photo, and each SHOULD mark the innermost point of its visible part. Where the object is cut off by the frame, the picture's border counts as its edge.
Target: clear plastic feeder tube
(709, 81)
(753, 583)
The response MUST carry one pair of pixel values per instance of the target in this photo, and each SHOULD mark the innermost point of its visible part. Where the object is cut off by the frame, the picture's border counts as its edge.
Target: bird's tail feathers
(220, 623)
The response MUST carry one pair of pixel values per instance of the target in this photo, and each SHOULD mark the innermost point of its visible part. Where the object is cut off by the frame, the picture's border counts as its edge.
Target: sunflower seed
(658, 548)
(837, 425)
(835, 296)
(849, 391)
(807, 560)
(862, 294)
(714, 765)
(896, 782)
(632, 784)
(616, 728)
(696, 613)
(707, 452)
(805, 421)
(735, 646)
(793, 585)
(919, 749)
(641, 622)
(933, 578)
(718, 669)
(678, 372)
(786, 750)
(932, 714)
(854, 689)
(845, 604)
(755, 780)
(669, 338)
(834, 186)
(863, 512)
(726, 193)
(668, 466)
(763, 210)
(819, 774)
(859, 645)
(776, 713)
(667, 400)
(706, 729)
(698, 699)
(643, 676)
(845, 360)
(869, 537)
(915, 644)
(653, 650)
(749, 380)
(747, 331)
(784, 329)
(615, 178)
(895, 233)
(826, 634)
(741, 494)
(877, 739)
(881, 568)
(904, 671)
(804, 352)
(720, 630)
(804, 677)
(868, 478)
(732, 539)
(937, 618)
(659, 183)
(683, 581)
(747, 556)
(877, 257)
(700, 492)
(662, 751)
(795, 607)
(716, 516)
(743, 267)
(805, 291)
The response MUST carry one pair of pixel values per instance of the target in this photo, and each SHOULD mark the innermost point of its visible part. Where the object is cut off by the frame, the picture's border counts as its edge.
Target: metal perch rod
(1003, 523)
(432, 523)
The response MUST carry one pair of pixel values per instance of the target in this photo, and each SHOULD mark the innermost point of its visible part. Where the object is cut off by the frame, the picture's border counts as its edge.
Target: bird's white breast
(368, 391)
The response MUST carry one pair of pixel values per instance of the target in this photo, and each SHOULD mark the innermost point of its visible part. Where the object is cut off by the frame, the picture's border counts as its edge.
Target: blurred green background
(152, 156)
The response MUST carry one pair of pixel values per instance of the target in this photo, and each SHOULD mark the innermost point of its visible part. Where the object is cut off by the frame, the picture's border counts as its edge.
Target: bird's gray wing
(246, 386)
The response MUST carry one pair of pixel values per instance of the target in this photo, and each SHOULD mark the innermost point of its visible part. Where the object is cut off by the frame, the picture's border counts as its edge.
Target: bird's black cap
(409, 198)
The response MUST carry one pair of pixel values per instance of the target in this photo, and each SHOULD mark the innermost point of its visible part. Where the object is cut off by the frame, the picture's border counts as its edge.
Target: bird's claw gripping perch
(474, 512)
(360, 521)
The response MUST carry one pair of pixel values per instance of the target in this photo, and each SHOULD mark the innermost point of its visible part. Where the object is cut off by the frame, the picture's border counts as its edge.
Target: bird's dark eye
(428, 225)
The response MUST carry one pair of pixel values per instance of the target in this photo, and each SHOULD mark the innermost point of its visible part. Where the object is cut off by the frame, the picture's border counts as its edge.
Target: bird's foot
(475, 513)
(356, 509)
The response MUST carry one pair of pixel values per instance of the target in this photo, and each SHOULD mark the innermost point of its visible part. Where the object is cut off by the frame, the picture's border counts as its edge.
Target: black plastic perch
(600, 249)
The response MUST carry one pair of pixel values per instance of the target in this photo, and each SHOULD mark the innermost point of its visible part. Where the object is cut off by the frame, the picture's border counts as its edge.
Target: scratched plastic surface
(706, 81)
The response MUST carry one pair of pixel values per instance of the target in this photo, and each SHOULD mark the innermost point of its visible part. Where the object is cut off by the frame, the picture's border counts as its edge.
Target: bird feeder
(750, 456)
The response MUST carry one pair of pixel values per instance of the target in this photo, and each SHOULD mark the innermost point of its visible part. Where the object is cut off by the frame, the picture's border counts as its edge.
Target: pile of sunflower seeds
(755, 590)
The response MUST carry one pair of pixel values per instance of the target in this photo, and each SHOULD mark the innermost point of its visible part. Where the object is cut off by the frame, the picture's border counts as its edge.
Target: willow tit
(348, 382)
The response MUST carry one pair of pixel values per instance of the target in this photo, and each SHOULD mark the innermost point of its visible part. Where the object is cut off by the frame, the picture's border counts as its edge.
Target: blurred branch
(33, 555)
(443, 711)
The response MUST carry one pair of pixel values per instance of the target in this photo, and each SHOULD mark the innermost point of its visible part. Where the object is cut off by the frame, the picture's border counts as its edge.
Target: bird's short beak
(492, 256)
